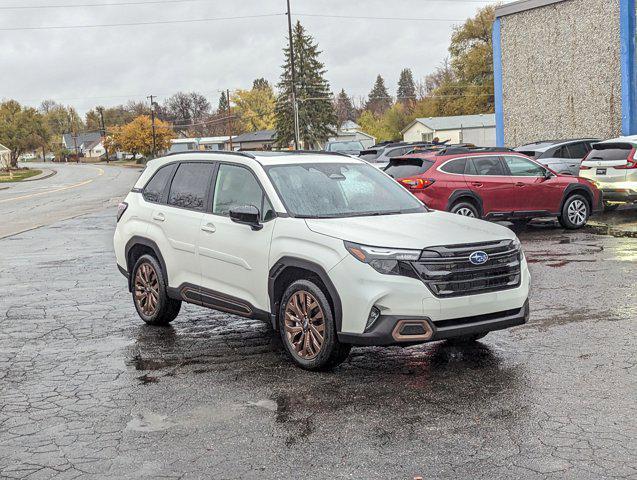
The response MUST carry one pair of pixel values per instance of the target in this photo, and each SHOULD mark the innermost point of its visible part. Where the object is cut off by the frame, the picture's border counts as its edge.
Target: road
(87, 390)
(74, 190)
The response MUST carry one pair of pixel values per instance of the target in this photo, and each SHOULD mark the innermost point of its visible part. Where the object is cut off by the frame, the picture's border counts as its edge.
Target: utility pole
(77, 154)
(295, 105)
(229, 119)
(152, 119)
(103, 130)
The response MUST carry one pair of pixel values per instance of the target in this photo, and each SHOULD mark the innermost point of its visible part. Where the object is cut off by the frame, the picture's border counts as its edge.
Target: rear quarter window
(455, 166)
(155, 188)
(407, 167)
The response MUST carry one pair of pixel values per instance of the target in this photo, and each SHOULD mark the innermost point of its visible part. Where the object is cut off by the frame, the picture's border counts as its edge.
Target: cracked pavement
(88, 391)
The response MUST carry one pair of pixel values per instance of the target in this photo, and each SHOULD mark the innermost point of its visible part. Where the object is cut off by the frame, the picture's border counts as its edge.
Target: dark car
(561, 156)
(495, 184)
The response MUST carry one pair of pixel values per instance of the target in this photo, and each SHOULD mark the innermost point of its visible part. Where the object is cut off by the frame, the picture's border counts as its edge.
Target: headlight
(384, 260)
(515, 243)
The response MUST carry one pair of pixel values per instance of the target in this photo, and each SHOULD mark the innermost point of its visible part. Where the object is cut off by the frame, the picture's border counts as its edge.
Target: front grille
(453, 275)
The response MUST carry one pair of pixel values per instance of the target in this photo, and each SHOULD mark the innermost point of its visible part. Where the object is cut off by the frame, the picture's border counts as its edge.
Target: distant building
(5, 156)
(476, 129)
(259, 140)
(564, 69)
(202, 143)
(89, 144)
(351, 131)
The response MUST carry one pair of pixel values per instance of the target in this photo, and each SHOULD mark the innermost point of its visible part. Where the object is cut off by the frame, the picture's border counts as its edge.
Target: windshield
(332, 190)
(344, 147)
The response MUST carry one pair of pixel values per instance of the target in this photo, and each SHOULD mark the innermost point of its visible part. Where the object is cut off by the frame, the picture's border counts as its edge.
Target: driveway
(87, 390)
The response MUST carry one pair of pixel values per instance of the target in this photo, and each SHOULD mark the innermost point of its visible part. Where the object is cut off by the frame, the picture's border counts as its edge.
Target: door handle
(476, 184)
(209, 227)
(160, 217)
(519, 184)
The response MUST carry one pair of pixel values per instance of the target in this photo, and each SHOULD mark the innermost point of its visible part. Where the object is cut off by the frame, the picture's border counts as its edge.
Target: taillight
(632, 161)
(121, 208)
(416, 183)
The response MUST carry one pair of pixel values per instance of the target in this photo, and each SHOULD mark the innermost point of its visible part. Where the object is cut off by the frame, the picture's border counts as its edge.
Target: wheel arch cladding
(288, 269)
(459, 195)
(578, 189)
(138, 246)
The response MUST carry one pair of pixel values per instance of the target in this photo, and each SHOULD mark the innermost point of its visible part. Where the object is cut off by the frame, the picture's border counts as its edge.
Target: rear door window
(488, 166)
(154, 190)
(577, 151)
(407, 167)
(190, 185)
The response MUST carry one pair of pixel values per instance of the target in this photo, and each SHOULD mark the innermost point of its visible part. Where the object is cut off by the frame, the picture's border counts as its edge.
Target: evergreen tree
(260, 84)
(378, 101)
(406, 93)
(223, 103)
(316, 111)
(344, 108)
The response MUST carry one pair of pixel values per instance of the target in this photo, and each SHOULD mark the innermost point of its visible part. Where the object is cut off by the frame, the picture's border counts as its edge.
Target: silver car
(561, 156)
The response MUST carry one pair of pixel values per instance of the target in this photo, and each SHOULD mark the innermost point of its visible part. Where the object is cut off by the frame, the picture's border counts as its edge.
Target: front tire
(466, 209)
(151, 300)
(307, 328)
(575, 212)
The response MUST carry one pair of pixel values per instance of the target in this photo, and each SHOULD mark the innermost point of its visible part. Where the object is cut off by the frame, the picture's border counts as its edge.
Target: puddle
(564, 318)
(149, 422)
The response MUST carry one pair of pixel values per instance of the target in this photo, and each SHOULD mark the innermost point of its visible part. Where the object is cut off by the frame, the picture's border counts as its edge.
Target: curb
(42, 176)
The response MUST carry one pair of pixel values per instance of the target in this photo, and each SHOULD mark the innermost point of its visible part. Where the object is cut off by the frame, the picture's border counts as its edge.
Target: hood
(413, 230)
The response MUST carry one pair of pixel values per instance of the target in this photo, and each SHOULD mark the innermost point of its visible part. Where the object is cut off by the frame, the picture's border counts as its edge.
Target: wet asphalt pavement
(87, 390)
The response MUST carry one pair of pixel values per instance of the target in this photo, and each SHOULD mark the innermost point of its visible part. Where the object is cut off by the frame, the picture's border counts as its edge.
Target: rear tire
(575, 212)
(150, 297)
(466, 339)
(465, 208)
(307, 328)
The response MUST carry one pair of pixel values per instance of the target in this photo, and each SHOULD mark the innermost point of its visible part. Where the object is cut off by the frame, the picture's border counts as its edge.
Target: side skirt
(214, 300)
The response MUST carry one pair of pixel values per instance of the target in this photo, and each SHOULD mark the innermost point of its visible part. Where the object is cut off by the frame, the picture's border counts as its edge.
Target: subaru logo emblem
(478, 258)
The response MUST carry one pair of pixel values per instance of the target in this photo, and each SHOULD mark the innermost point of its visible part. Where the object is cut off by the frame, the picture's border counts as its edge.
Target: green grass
(18, 175)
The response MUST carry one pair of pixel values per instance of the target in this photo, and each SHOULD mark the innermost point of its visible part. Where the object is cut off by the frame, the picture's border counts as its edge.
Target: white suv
(329, 249)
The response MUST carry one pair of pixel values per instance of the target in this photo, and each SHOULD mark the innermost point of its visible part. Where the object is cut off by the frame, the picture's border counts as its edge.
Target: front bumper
(400, 330)
(625, 195)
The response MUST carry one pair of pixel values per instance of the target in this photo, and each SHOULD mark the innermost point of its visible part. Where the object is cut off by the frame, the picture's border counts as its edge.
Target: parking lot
(89, 391)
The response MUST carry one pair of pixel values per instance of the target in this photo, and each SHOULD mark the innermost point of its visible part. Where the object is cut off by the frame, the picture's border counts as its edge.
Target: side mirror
(246, 215)
(548, 174)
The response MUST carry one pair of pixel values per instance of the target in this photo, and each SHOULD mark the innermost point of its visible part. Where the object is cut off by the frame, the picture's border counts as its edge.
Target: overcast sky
(111, 65)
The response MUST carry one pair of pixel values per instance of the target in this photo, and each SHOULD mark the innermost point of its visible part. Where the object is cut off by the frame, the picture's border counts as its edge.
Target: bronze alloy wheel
(147, 289)
(304, 324)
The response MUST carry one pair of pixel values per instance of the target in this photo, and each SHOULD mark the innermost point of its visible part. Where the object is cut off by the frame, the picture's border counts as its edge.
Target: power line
(135, 24)
(364, 17)
(159, 2)
(84, 5)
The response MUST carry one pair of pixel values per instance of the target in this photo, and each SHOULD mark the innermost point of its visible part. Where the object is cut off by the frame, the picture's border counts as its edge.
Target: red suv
(495, 184)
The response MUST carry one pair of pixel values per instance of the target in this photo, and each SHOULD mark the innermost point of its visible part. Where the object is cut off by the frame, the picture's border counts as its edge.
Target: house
(87, 144)
(5, 156)
(476, 129)
(564, 69)
(202, 143)
(351, 131)
(259, 140)
(94, 149)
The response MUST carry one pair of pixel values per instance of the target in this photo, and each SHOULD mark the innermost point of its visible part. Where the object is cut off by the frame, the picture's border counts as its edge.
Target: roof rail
(459, 150)
(222, 152)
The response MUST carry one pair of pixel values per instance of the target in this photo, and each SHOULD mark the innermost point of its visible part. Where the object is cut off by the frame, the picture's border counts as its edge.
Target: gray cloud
(121, 63)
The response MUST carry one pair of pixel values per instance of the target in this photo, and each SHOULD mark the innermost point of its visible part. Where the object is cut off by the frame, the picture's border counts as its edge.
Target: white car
(330, 250)
(612, 166)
